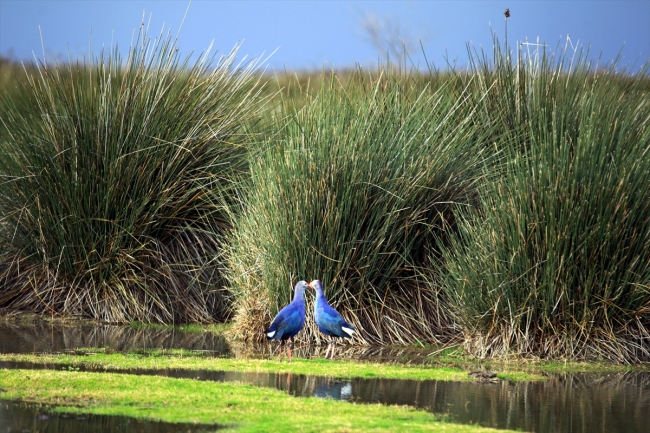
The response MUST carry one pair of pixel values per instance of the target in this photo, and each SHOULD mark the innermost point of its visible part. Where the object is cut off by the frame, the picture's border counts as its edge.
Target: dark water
(43, 337)
(19, 417)
(40, 337)
(615, 402)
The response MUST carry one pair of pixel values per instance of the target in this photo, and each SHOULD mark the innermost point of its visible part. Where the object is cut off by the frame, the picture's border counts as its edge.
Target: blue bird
(329, 321)
(289, 320)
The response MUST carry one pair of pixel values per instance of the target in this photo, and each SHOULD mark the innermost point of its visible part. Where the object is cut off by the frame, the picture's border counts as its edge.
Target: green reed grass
(13, 82)
(351, 190)
(111, 204)
(555, 262)
(121, 190)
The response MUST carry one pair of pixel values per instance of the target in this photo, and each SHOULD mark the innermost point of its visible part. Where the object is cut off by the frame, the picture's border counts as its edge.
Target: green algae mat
(240, 407)
(180, 359)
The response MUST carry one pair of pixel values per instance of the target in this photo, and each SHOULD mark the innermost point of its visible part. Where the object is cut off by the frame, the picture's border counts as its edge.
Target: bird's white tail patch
(348, 331)
(270, 334)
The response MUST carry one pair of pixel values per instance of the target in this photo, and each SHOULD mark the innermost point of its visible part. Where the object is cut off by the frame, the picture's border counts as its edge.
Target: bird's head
(300, 289)
(301, 286)
(317, 286)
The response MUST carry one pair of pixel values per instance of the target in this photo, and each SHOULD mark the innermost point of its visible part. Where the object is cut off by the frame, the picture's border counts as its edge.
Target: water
(19, 417)
(40, 337)
(614, 402)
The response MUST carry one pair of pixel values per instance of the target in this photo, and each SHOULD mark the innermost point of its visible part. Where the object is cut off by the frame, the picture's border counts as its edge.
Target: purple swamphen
(289, 320)
(329, 321)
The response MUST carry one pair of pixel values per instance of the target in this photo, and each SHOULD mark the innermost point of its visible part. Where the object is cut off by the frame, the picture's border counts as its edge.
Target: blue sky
(316, 34)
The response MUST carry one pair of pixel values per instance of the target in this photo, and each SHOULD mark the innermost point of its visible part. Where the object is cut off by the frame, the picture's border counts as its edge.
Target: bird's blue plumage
(329, 321)
(291, 318)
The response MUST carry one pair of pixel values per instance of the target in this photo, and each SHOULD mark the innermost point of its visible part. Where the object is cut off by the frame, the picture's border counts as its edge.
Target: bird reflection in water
(334, 389)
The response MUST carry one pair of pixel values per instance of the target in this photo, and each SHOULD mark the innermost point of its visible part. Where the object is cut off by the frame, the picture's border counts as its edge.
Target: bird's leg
(281, 350)
(333, 348)
(289, 344)
(329, 347)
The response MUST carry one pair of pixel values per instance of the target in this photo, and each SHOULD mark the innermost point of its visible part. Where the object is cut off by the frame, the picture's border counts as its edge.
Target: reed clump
(113, 189)
(355, 188)
(555, 261)
(507, 205)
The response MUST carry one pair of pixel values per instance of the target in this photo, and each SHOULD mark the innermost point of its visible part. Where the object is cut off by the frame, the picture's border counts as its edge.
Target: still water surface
(19, 417)
(42, 337)
(613, 402)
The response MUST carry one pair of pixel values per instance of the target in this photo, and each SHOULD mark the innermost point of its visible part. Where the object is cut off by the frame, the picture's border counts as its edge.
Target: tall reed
(352, 190)
(112, 193)
(555, 262)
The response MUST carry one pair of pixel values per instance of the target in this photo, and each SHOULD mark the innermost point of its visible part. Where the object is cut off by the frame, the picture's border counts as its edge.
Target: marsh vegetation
(505, 207)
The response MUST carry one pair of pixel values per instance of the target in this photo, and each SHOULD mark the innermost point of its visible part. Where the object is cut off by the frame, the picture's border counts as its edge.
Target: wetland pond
(20, 417)
(579, 402)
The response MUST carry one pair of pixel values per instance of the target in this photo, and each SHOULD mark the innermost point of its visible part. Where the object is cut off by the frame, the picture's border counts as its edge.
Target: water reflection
(334, 389)
(378, 354)
(615, 402)
(39, 337)
(565, 403)
(572, 402)
(44, 337)
(19, 417)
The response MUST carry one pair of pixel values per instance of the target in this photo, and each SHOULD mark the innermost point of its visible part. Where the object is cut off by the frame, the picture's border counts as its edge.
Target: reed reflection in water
(43, 337)
(20, 417)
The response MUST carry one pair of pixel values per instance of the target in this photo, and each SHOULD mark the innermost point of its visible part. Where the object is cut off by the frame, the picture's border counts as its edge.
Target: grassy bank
(186, 360)
(243, 408)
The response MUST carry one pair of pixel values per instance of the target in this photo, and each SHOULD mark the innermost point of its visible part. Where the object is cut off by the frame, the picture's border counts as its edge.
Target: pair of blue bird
(291, 319)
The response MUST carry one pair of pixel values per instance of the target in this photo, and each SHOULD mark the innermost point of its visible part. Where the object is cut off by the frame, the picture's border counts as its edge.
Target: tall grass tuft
(555, 262)
(113, 191)
(352, 190)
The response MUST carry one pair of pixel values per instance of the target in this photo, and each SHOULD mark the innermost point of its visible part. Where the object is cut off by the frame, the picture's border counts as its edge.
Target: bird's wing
(332, 321)
(279, 318)
(288, 321)
(277, 324)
